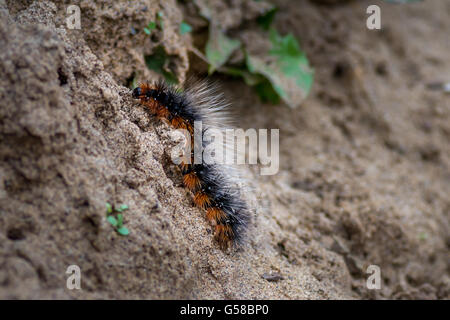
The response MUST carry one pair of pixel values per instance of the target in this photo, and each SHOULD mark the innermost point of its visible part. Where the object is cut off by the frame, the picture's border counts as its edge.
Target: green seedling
(150, 27)
(115, 217)
(185, 28)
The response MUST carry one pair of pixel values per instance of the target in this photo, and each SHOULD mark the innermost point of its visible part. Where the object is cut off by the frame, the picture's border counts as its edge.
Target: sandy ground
(364, 163)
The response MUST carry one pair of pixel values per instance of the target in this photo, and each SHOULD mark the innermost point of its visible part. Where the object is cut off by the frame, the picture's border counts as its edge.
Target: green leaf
(150, 27)
(219, 48)
(250, 79)
(286, 67)
(123, 231)
(112, 220)
(185, 28)
(134, 83)
(261, 85)
(266, 19)
(159, 17)
(119, 220)
(266, 92)
(423, 236)
(123, 207)
(157, 62)
(109, 209)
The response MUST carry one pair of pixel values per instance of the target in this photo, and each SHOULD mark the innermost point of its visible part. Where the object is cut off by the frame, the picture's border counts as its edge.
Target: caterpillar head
(137, 93)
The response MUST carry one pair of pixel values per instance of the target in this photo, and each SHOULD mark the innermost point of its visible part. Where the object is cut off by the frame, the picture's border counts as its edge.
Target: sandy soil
(364, 177)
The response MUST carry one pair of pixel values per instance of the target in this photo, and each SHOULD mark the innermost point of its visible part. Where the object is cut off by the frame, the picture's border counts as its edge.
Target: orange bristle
(179, 123)
(151, 105)
(202, 200)
(191, 181)
(190, 129)
(215, 214)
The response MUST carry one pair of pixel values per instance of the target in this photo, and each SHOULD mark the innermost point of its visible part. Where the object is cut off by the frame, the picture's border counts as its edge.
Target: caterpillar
(214, 186)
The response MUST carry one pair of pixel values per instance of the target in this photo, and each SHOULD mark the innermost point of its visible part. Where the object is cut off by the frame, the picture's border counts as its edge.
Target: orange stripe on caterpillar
(157, 109)
(215, 214)
(179, 123)
(202, 200)
(191, 181)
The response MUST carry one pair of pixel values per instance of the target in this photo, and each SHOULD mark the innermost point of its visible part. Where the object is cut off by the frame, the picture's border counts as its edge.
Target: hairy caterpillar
(214, 186)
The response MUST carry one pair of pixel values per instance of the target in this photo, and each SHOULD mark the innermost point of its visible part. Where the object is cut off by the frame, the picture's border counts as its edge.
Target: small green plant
(159, 61)
(285, 67)
(115, 217)
(219, 48)
(134, 82)
(185, 28)
(280, 71)
(423, 236)
(152, 25)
